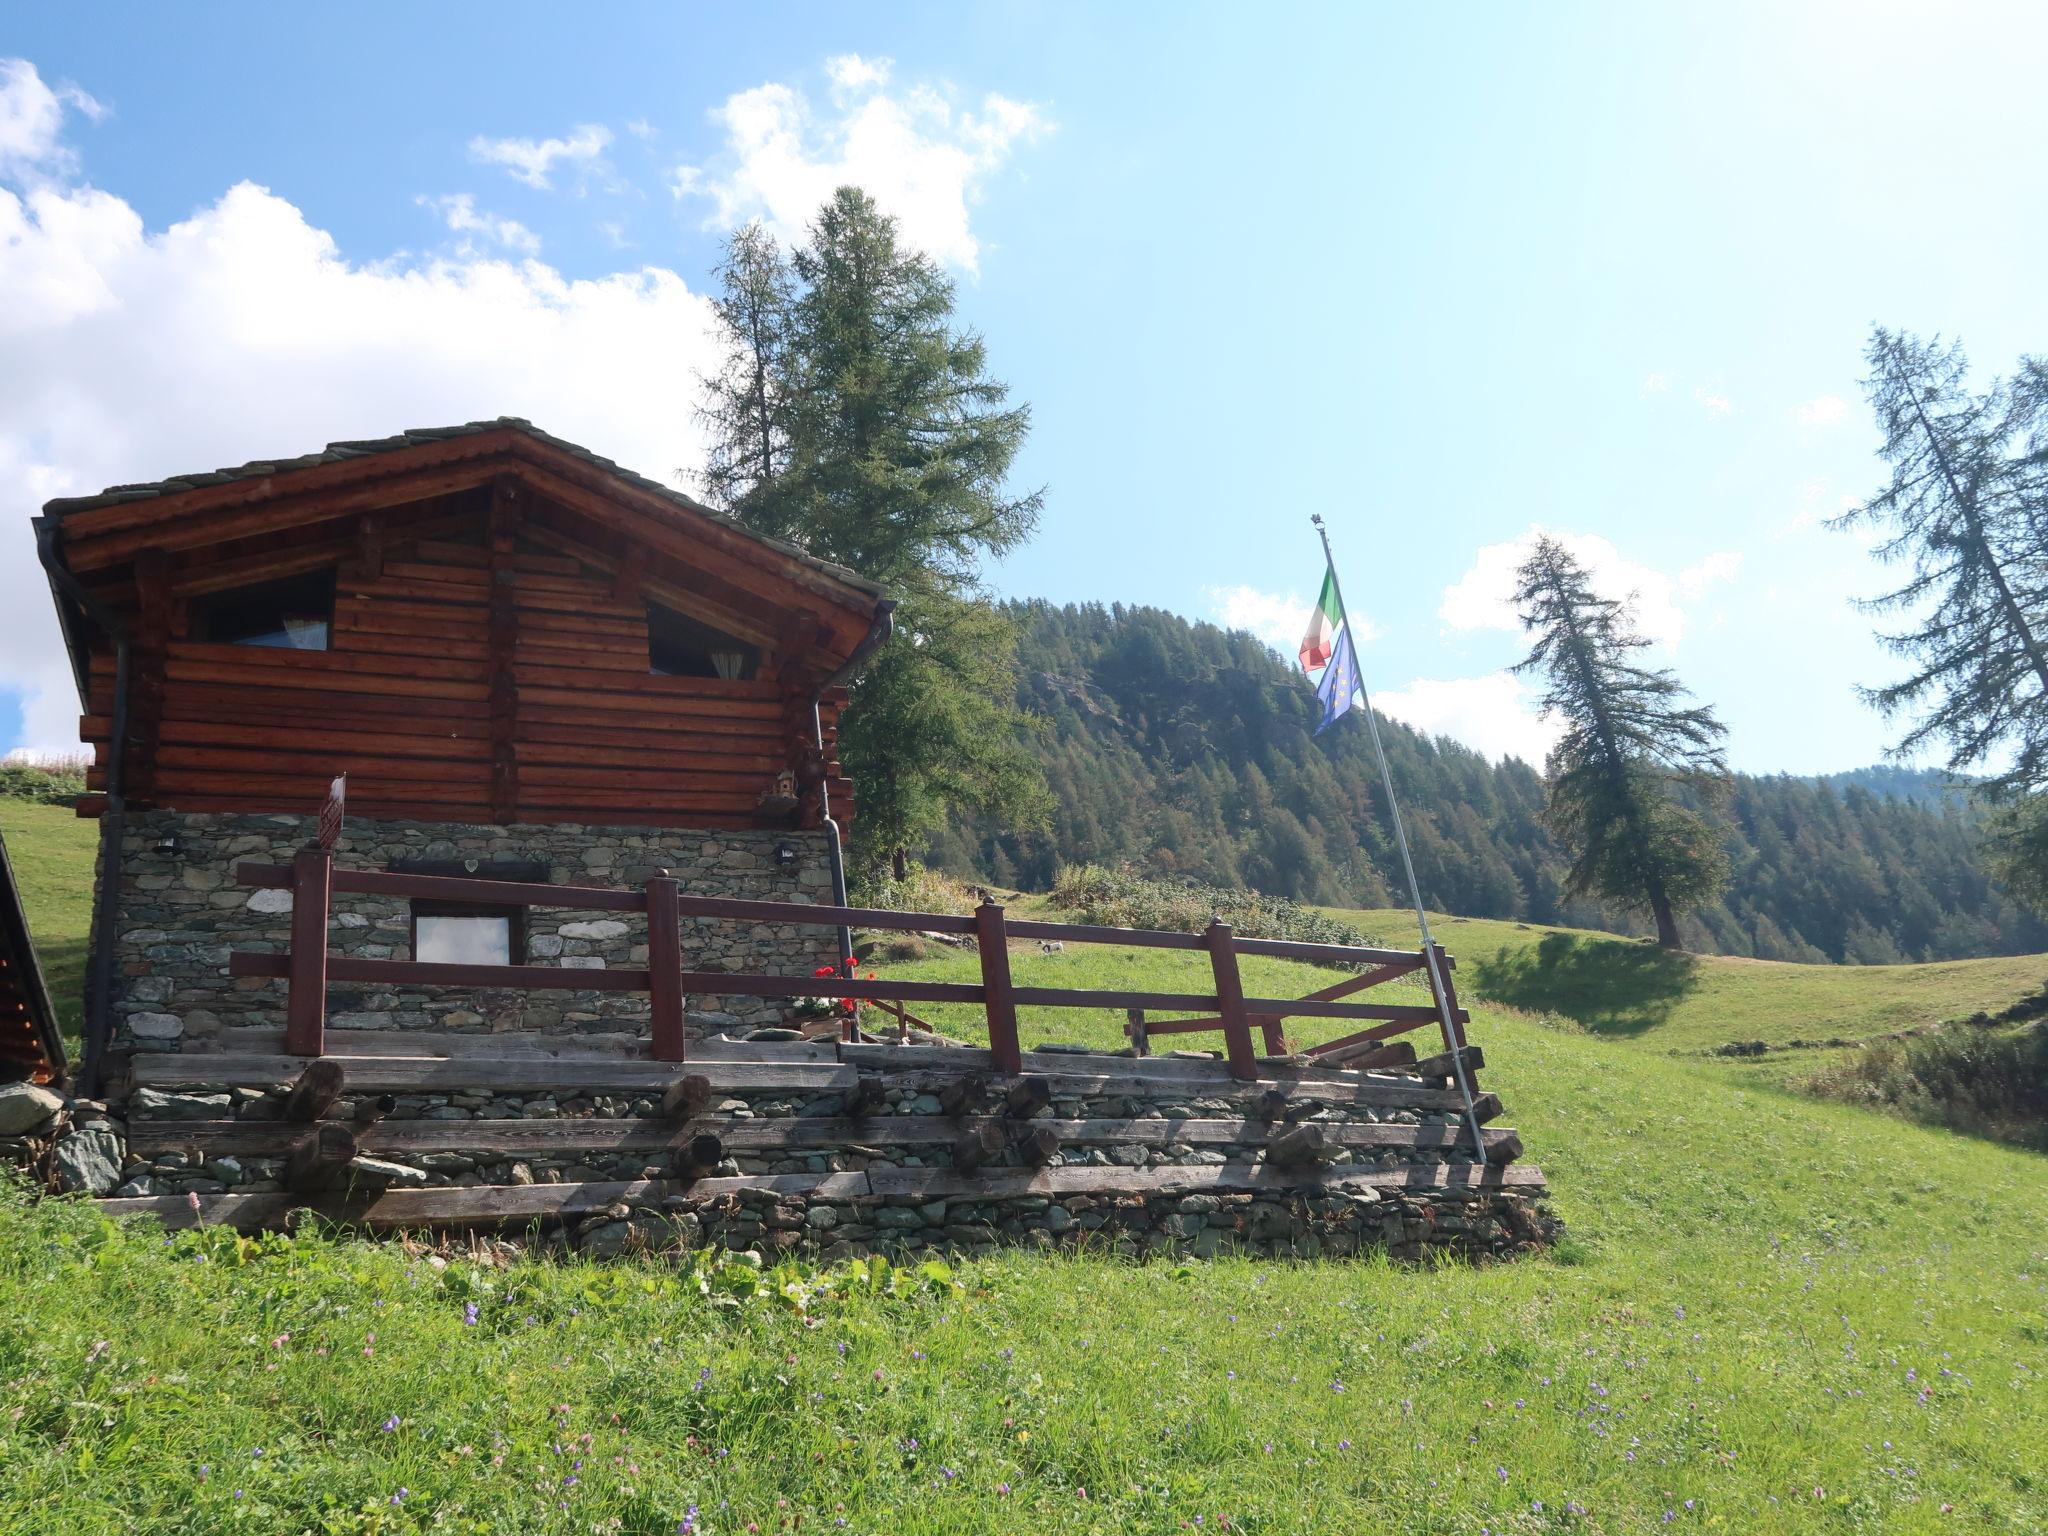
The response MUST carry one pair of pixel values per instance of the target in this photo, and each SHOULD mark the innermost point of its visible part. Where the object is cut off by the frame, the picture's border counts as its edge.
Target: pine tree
(1967, 511)
(866, 428)
(1627, 745)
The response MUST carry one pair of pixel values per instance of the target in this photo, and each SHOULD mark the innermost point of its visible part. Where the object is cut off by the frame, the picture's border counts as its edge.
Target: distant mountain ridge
(1183, 747)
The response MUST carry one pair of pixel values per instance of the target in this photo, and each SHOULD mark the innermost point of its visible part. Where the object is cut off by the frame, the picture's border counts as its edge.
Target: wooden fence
(307, 967)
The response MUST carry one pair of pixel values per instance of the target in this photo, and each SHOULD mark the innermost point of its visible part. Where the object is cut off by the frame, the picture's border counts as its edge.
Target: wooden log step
(1005, 1183)
(486, 1206)
(1353, 1089)
(1373, 1055)
(520, 1205)
(1439, 1066)
(423, 1074)
(509, 1138)
(977, 1058)
(404, 1074)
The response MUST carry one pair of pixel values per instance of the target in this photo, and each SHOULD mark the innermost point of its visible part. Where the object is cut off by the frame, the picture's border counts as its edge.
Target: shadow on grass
(1611, 987)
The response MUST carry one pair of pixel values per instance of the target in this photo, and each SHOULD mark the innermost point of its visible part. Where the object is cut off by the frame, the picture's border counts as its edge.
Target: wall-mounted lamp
(170, 845)
(785, 856)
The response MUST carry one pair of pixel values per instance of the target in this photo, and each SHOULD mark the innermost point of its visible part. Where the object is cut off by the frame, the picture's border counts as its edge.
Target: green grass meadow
(1770, 1314)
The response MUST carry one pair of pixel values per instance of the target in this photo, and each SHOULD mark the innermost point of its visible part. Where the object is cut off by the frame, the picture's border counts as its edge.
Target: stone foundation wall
(180, 917)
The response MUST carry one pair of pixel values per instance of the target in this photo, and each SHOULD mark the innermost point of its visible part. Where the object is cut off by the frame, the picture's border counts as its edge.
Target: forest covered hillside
(1187, 749)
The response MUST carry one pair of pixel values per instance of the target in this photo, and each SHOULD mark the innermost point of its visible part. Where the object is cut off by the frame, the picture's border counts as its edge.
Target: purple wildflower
(390, 1425)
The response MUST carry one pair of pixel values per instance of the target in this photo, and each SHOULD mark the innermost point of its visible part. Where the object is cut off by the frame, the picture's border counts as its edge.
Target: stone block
(26, 1108)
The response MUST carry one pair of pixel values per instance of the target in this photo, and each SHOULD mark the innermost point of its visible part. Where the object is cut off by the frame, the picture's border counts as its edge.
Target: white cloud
(1694, 580)
(32, 120)
(849, 72)
(1656, 383)
(1714, 404)
(920, 155)
(242, 331)
(1279, 619)
(1820, 410)
(1484, 597)
(533, 160)
(459, 211)
(1495, 714)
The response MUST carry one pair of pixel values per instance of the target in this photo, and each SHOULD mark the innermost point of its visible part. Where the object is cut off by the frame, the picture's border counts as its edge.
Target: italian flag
(1318, 645)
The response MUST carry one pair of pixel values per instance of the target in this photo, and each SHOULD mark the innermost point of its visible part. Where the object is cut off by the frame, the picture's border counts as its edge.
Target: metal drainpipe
(106, 898)
(879, 630)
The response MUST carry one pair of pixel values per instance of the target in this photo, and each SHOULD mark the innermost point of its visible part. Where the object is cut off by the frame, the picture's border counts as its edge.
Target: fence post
(997, 1001)
(1275, 1036)
(1454, 1032)
(665, 969)
(305, 1008)
(1237, 1029)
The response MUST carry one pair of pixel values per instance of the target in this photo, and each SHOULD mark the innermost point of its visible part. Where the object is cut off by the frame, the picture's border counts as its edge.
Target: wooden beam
(306, 967)
(809, 1133)
(315, 1091)
(319, 1161)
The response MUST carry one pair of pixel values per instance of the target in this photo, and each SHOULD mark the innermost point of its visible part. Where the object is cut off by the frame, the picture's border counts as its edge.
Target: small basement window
(468, 933)
(293, 614)
(680, 646)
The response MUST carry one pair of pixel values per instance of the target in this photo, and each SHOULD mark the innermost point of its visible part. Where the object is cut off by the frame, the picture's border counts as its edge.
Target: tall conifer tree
(1628, 743)
(887, 448)
(1967, 512)
(746, 401)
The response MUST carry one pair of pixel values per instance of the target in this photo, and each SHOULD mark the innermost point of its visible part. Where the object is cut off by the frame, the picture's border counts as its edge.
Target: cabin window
(294, 614)
(468, 933)
(679, 646)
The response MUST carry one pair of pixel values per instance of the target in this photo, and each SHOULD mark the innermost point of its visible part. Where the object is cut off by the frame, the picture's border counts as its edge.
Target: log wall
(441, 703)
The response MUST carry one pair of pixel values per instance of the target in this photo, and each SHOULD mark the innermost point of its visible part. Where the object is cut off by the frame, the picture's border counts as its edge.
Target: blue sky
(1443, 277)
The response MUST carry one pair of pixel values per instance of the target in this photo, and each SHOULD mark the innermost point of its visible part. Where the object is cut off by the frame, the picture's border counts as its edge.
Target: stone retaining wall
(180, 917)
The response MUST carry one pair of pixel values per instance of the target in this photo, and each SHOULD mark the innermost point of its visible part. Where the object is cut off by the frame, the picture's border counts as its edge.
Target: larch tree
(1629, 745)
(746, 400)
(1967, 513)
(883, 444)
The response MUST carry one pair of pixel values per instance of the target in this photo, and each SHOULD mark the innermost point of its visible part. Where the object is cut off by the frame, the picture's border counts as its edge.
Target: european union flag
(1338, 686)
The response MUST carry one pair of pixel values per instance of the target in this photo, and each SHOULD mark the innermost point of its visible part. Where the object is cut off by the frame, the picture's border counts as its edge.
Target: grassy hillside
(1772, 1314)
(1627, 988)
(52, 853)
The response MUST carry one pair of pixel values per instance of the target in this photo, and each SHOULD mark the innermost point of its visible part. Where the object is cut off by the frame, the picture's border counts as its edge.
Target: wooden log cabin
(588, 731)
(529, 662)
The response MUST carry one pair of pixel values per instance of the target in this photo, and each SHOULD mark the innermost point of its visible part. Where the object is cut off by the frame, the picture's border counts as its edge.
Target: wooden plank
(998, 992)
(936, 1058)
(306, 967)
(665, 969)
(483, 1207)
(252, 735)
(422, 1074)
(259, 664)
(1003, 1183)
(1230, 1003)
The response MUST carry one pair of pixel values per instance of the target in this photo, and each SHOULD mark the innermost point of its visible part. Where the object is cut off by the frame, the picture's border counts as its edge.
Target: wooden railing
(308, 968)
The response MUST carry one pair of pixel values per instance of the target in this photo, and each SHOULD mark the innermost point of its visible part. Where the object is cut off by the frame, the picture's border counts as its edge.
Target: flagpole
(1436, 980)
